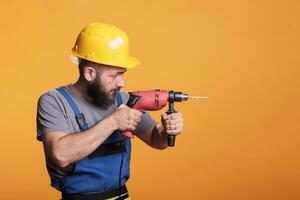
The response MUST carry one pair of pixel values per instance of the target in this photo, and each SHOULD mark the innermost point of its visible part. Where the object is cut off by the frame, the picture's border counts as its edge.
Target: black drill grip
(171, 138)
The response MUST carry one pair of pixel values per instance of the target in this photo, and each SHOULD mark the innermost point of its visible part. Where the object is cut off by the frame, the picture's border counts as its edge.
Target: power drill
(152, 100)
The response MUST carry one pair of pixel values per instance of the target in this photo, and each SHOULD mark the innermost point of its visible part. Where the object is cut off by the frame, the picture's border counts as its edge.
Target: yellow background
(241, 144)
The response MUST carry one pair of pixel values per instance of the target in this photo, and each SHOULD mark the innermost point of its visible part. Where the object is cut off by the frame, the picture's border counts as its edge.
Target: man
(80, 124)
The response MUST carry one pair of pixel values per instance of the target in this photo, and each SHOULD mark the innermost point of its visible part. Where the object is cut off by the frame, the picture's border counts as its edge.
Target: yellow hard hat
(104, 44)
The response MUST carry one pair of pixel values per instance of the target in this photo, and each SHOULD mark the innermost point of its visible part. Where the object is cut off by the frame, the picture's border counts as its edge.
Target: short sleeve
(145, 125)
(50, 116)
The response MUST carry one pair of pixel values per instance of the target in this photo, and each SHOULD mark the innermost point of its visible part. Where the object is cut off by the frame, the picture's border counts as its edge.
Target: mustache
(116, 89)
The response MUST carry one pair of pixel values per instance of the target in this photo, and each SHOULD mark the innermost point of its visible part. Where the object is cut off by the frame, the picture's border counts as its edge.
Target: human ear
(89, 73)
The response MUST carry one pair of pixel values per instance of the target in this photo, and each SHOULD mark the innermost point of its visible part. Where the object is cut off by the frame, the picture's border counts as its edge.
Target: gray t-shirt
(54, 114)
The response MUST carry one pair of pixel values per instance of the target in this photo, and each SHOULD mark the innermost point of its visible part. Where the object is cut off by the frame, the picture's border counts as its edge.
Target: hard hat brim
(129, 62)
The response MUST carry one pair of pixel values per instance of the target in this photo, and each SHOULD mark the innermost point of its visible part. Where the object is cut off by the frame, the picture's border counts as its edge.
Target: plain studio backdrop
(240, 144)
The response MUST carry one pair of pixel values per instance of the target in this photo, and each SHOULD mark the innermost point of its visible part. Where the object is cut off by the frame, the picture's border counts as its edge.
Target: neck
(80, 88)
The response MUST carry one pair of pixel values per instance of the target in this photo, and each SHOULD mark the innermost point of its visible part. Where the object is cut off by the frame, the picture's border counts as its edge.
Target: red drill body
(150, 100)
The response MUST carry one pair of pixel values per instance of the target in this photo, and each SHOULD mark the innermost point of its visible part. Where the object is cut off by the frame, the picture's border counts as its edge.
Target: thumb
(159, 127)
(164, 115)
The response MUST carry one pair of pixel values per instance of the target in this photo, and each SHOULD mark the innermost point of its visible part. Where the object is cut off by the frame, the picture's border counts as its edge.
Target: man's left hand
(173, 123)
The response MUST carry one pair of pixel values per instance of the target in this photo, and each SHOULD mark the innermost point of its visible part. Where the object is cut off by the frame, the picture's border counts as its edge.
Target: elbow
(62, 163)
(159, 147)
(60, 160)
(157, 144)
(56, 151)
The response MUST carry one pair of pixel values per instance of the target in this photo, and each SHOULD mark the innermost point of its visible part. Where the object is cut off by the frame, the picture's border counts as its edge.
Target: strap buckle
(81, 121)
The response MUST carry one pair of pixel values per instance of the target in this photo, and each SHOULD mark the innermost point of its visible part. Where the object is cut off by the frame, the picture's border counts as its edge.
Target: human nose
(120, 81)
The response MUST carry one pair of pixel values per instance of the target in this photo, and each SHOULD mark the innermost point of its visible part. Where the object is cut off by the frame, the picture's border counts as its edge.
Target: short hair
(83, 63)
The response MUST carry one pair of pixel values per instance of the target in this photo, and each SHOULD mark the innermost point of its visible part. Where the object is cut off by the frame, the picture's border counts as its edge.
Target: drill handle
(133, 99)
(171, 138)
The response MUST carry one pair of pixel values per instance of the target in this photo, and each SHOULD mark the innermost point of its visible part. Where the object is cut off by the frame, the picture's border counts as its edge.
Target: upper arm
(145, 128)
(51, 124)
(50, 116)
(53, 148)
(50, 140)
(145, 125)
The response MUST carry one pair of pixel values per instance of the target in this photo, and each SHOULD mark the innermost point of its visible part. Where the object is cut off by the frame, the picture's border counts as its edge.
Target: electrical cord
(121, 165)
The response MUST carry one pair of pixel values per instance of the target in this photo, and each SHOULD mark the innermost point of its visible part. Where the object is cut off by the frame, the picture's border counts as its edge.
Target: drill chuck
(177, 96)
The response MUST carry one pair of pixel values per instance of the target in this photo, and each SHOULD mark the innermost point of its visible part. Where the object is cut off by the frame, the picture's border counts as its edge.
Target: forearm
(159, 137)
(73, 147)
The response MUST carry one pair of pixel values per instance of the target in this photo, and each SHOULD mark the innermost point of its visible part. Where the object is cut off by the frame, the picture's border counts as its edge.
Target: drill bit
(197, 97)
(185, 97)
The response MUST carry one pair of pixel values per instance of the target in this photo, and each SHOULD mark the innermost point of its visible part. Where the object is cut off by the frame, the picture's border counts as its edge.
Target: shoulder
(49, 96)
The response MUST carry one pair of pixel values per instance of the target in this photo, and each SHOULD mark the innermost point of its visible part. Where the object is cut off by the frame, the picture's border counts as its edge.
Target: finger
(179, 126)
(176, 116)
(165, 122)
(139, 113)
(171, 132)
(173, 121)
(136, 113)
(137, 119)
(177, 121)
(170, 122)
(132, 128)
(170, 127)
(174, 129)
(173, 116)
(174, 132)
(133, 123)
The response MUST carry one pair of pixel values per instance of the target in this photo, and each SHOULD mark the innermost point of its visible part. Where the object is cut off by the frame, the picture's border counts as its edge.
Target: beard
(100, 97)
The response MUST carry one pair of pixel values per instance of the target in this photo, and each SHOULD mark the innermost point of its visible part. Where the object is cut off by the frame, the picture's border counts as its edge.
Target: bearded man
(79, 124)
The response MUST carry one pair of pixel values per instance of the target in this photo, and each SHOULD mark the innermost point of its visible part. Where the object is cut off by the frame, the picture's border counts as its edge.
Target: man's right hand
(125, 118)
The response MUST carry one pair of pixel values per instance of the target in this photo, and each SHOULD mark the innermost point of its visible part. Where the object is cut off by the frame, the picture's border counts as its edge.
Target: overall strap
(118, 98)
(78, 115)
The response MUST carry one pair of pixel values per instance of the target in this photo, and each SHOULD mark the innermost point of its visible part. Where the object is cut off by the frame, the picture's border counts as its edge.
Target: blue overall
(95, 174)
